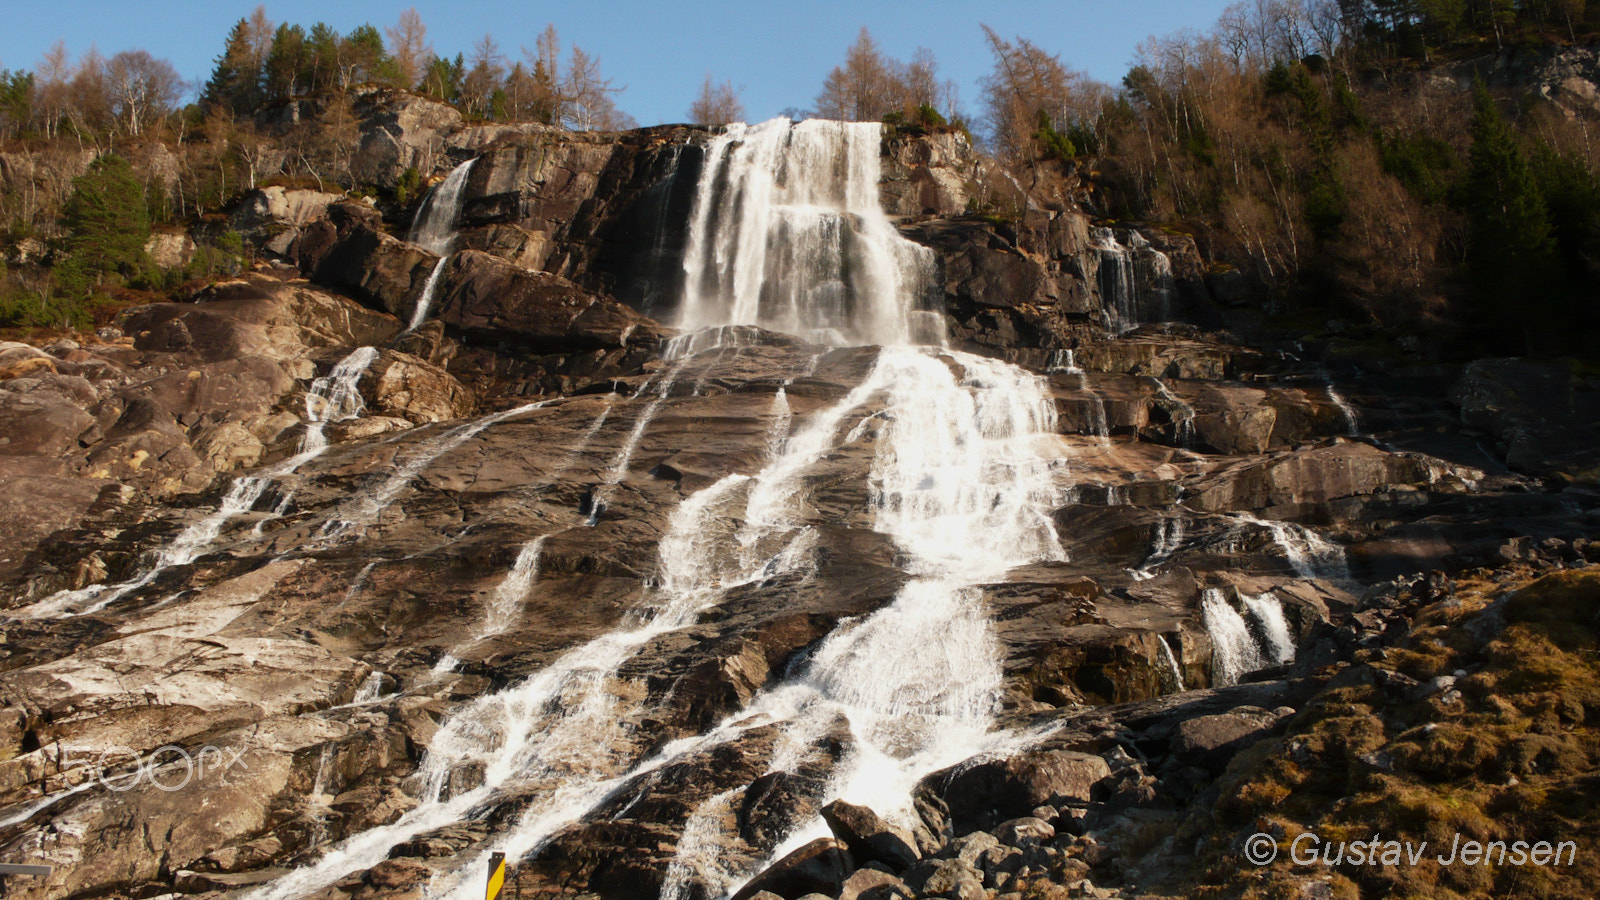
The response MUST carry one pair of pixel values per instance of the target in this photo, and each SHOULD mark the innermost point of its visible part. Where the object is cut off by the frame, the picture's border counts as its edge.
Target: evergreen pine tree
(235, 84)
(107, 223)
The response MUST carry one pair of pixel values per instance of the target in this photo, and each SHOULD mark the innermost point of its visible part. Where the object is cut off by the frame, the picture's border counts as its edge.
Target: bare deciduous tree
(576, 96)
(53, 76)
(409, 47)
(862, 89)
(1028, 83)
(483, 78)
(142, 88)
(718, 104)
(258, 32)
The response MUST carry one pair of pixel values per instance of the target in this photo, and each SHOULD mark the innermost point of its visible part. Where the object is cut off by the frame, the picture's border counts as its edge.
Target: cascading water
(1122, 268)
(787, 234)
(419, 314)
(561, 732)
(1347, 413)
(1155, 268)
(1240, 647)
(511, 591)
(435, 231)
(780, 239)
(1063, 361)
(435, 227)
(962, 482)
(332, 398)
(1277, 643)
(1174, 672)
(1234, 653)
(1117, 283)
(1309, 554)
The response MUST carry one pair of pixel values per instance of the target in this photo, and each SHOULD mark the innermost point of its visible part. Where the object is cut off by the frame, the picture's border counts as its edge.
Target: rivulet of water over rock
(331, 398)
(1122, 269)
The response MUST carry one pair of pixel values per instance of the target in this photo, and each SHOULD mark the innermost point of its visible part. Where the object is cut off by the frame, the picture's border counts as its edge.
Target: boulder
(170, 251)
(588, 206)
(820, 866)
(988, 792)
(926, 173)
(486, 295)
(399, 131)
(869, 837)
(1318, 475)
(348, 253)
(272, 217)
(1211, 741)
(255, 315)
(401, 385)
(954, 879)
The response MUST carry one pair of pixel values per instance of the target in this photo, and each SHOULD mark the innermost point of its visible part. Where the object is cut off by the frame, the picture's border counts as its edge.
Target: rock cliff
(296, 576)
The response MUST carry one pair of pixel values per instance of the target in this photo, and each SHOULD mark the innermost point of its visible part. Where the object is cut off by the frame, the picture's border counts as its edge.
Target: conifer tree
(235, 84)
(107, 223)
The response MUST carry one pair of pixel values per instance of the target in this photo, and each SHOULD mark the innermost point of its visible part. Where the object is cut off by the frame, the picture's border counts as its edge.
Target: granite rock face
(509, 492)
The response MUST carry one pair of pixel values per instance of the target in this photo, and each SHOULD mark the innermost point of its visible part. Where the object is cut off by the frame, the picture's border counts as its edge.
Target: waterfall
(1234, 653)
(1121, 270)
(961, 481)
(370, 691)
(1310, 555)
(1156, 267)
(1240, 647)
(788, 233)
(419, 314)
(1276, 641)
(782, 419)
(1062, 361)
(435, 227)
(1116, 280)
(335, 398)
(1174, 671)
(320, 799)
(332, 398)
(560, 734)
(435, 231)
(1347, 413)
(700, 857)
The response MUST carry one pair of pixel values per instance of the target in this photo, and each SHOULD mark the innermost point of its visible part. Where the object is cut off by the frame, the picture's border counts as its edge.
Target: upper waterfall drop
(435, 227)
(788, 233)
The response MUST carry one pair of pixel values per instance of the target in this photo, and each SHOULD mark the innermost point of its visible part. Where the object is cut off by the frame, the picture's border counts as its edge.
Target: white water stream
(332, 398)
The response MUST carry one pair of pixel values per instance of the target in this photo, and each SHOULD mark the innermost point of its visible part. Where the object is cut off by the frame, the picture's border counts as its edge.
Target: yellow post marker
(497, 876)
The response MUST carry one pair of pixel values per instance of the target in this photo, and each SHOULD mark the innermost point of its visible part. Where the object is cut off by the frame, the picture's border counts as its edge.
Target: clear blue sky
(778, 52)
